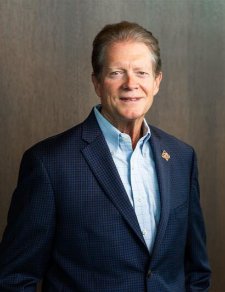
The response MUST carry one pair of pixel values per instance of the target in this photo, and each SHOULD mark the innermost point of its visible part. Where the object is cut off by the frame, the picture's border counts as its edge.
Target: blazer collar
(99, 159)
(162, 164)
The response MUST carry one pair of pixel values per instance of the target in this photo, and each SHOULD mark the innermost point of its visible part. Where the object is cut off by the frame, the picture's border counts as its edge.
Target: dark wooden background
(45, 87)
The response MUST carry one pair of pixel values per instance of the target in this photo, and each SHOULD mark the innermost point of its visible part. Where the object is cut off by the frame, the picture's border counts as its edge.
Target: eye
(142, 73)
(115, 74)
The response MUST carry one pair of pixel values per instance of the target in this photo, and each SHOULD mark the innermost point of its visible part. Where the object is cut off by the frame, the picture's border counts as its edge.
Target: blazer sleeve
(196, 260)
(26, 244)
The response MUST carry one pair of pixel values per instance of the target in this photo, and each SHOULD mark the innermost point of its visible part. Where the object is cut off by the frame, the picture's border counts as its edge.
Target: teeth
(131, 99)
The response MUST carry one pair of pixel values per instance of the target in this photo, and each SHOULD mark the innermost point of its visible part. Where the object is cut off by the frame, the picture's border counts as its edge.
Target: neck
(134, 133)
(133, 128)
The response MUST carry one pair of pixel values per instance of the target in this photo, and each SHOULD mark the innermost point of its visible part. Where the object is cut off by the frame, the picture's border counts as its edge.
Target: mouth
(130, 99)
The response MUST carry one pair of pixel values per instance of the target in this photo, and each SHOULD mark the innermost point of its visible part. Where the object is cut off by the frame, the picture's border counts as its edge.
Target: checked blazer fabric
(71, 224)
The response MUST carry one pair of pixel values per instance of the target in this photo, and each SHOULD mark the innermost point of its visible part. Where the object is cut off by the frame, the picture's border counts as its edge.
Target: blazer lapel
(99, 159)
(162, 163)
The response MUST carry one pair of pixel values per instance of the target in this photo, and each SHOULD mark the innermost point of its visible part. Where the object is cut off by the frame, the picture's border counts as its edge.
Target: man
(113, 203)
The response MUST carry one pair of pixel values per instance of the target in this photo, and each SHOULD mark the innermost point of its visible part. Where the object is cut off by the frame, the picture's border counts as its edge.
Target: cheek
(112, 85)
(151, 89)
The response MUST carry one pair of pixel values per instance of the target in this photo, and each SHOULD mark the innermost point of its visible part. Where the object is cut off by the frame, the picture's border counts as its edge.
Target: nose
(130, 82)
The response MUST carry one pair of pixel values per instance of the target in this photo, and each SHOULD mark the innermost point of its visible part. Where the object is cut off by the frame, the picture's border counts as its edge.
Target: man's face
(127, 83)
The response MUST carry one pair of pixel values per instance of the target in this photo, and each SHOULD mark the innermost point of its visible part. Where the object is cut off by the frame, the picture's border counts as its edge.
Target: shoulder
(171, 144)
(169, 139)
(57, 145)
(68, 143)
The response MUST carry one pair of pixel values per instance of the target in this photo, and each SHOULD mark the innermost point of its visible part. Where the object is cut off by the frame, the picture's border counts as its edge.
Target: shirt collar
(112, 134)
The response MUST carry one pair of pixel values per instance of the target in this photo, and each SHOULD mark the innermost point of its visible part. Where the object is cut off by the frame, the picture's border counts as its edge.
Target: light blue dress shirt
(137, 172)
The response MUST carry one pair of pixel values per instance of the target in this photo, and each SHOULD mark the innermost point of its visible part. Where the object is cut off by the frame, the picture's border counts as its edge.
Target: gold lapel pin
(165, 155)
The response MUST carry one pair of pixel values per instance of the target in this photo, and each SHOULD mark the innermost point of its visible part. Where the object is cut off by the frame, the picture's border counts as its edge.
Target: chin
(133, 117)
(134, 113)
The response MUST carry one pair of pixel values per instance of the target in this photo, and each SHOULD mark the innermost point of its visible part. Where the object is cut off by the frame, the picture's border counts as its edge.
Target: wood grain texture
(45, 85)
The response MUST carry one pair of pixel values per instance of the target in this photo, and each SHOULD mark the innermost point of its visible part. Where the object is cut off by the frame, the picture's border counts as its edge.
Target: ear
(157, 81)
(96, 84)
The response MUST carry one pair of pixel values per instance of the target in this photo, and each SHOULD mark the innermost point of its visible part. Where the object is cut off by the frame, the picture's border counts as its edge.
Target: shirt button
(149, 273)
(139, 200)
(144, 232)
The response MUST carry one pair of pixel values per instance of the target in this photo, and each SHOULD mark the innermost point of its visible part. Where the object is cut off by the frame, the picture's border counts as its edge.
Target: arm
(26, 245)
(196, 260)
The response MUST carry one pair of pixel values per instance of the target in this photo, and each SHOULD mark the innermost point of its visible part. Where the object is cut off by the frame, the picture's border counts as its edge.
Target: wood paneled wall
(45, 87)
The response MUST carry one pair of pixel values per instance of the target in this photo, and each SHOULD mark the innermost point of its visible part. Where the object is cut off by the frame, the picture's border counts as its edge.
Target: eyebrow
(122, 68)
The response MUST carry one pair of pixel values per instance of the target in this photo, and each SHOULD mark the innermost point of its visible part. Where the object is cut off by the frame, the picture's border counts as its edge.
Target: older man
(112, 204)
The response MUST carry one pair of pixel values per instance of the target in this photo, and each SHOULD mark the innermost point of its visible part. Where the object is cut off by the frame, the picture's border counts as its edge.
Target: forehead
(127, 52)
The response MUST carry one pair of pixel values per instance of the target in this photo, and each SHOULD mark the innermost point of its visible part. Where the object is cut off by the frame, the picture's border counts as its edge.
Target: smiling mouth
(128, 99)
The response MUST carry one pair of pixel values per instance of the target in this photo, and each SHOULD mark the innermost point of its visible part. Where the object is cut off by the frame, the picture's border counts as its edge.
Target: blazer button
(149, 273)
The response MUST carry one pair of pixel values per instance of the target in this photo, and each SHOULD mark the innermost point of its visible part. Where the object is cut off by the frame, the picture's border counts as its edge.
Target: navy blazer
(71, 223)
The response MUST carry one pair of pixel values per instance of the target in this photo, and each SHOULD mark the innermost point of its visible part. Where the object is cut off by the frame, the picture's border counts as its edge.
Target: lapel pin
(165, 155)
